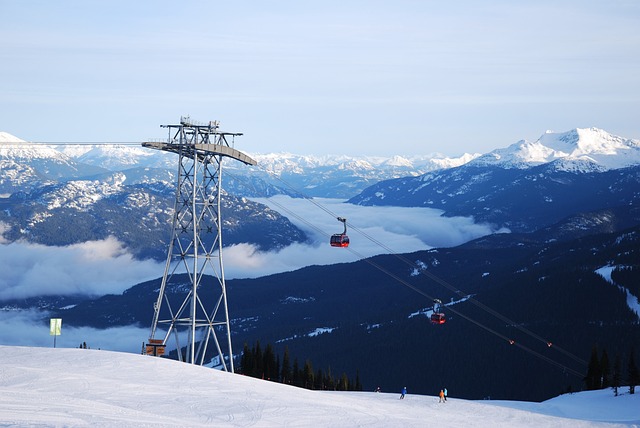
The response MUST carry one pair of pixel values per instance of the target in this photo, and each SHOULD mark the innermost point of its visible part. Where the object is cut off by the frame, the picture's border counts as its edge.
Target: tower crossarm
(203, 149)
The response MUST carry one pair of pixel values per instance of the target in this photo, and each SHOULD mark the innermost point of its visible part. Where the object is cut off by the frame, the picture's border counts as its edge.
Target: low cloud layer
(31, 328)
(106, 267)
(372, 231)
(91, 268)
(103, 267)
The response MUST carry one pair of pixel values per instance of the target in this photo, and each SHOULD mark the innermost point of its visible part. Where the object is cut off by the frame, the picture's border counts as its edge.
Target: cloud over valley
(106, 267)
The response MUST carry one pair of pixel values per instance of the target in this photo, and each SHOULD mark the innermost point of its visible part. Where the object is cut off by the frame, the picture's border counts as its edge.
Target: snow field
(78, 387)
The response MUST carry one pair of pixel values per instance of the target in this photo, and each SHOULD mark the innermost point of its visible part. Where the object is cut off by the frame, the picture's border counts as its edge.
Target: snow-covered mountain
(119, 157)
(48, 190)
(527, 186)
(335, 176)
(588, 150)
(543, 278)
(288, 163)
(523, 187)
(62, 195)
(338, 176)
(25, 165)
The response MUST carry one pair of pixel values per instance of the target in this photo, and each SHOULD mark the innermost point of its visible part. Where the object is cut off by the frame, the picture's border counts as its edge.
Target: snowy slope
(320, 176)
(5, 138)
(119, 157)
(591, 149)
(14, 148)
(25, 165)
(288, 163)
(77, 387)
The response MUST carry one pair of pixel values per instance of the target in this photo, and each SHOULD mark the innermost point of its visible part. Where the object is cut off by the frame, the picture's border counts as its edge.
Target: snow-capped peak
(12, 147)
(6, 138)
(577, 146)
(399, 161)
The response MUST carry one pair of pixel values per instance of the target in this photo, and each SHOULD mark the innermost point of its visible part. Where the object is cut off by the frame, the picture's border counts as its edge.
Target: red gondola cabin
(438, 318)
(340, 239)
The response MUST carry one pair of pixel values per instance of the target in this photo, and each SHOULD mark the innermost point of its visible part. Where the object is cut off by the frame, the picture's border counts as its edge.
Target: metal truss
(196, 314)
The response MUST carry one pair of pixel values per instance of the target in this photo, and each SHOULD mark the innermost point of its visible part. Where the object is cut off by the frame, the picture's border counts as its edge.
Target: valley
(543, 227)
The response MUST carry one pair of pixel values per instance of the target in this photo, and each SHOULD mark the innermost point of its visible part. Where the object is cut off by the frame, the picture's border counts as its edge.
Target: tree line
(266, 364)
(601, 375)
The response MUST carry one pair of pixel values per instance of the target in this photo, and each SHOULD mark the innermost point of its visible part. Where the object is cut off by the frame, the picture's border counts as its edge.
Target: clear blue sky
(334, 76)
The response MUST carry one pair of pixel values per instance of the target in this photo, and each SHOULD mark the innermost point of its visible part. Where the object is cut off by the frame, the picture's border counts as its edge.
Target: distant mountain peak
(6, 138)
(399, 161)
(571, 149)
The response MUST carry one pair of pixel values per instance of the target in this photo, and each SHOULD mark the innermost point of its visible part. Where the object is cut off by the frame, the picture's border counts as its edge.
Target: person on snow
(445, 394)
(404, 391)
(441, 396)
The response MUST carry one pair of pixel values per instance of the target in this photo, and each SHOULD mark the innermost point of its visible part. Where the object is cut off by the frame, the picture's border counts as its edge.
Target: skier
(445, 394)
(404, 391)
(441, 396)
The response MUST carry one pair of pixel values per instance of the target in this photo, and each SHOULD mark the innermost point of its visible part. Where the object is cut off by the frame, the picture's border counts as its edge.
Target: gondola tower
(196, 314)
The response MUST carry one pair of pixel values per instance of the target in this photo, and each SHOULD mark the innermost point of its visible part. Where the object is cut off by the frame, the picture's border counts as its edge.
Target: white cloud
(102, 267)
(106, 267)
(372, 231)
(31, 328)
(3, 228)
(91, 268)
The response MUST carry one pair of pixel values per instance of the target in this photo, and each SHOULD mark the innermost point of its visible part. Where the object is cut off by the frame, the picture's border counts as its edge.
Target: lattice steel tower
(196, 245)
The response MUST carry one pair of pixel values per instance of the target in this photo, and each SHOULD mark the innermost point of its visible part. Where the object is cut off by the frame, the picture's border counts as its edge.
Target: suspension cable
(436, 279)
(368, 260)
(36, 144)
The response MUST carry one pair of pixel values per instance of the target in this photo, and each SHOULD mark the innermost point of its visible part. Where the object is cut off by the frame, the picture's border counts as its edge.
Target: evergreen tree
(308, 375)
(258, 361)
(633, 375)
(594, 375)
(343, 385)
(617, 375)
(297, 375)
(319, 381)
(269, 363)
(246, 362)
(330, 382)
(286, 367)
(266, 365)
(605, 370)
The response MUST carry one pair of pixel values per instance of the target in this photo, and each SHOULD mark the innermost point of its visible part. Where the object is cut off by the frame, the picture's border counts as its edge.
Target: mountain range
(528, 186)
(565, 267)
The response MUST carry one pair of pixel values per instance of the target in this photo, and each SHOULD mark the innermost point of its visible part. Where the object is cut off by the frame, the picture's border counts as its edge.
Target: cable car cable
(368, 260)
(472, 300)
(37, 144)
(436, 279)
(460, 314)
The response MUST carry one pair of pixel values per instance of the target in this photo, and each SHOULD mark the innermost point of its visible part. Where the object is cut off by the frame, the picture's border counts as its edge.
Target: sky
(371, 77)
(88, 387)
